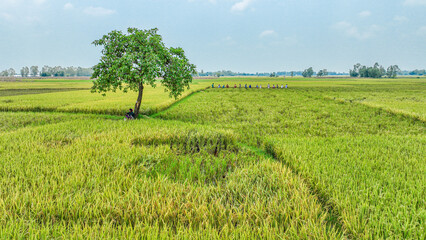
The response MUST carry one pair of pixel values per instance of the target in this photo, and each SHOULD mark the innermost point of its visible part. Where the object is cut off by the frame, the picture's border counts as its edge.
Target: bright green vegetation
(114, 179)
(367, 162)
(62, 96)
(308, 162)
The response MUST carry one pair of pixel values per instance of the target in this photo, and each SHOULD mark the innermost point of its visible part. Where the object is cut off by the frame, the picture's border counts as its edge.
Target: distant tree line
(320, 73)
(375, 71)
(309, 72)
(47, 71)
(8, 72)
(417, 72)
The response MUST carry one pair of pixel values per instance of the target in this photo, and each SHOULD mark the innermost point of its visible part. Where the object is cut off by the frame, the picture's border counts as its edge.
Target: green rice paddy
(323, 159)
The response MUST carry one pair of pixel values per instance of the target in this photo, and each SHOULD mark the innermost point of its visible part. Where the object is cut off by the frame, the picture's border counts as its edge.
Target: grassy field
(324, 159)
(74, 96)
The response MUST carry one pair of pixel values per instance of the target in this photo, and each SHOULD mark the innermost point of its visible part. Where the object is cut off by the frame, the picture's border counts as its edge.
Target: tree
(418, 72)
(58, 71)
(46, 71)
(70, 71)
(376, 71)
(292, 73)
(308, 72)
(356, 71)
(12, 72)
(131, 61)
(392, 71)
(4, 73)
(25, 71)
(322, 72)
(363, 72)
(34, 71)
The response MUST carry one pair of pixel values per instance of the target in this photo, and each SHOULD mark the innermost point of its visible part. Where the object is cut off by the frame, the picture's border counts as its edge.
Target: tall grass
(346, 163)
(366, 163)
(112, 179)
(68, 97)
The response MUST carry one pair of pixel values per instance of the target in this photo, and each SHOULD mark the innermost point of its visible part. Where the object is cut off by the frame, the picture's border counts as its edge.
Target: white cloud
(400, 19)
(6, 16)
(21, 4)
(212, 1)
(4, 4)
(241, 5)
(39, 2)
(267, 33)
(415, 2)
(228, 40)
(291, 41)
(98, 11)
(68, 6)
(352, 31)
(422, 31)
(365, 14)
(22, 11)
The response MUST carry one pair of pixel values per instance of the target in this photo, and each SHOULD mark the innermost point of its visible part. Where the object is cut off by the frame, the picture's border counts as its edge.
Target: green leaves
(140, 57)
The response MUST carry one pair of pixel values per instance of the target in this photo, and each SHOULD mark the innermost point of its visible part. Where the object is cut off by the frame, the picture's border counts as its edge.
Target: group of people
(249, 86)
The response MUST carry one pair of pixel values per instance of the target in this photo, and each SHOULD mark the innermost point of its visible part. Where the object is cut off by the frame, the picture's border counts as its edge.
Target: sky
(239, 35)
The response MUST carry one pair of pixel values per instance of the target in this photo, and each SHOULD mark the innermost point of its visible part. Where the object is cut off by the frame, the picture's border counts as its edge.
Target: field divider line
(54, 111)
(327, 206)
(390, 111)
(173, 105)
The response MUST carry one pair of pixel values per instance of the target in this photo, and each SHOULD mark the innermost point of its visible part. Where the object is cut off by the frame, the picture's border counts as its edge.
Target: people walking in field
(249, 86)
(130, 115)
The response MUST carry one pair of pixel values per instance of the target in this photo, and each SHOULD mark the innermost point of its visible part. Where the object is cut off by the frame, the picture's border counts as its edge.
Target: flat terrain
(323, 159)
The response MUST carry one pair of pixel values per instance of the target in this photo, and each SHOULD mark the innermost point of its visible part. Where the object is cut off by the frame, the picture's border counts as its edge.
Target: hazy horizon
(239, 35)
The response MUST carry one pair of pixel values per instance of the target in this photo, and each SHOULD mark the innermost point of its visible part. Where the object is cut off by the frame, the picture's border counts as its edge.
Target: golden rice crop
(324, 159)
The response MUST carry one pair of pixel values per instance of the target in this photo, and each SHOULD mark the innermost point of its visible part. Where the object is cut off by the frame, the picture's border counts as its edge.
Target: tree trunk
(139, 101)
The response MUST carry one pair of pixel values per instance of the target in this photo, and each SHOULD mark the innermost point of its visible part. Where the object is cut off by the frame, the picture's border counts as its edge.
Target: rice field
(323, 159)
(63, 96)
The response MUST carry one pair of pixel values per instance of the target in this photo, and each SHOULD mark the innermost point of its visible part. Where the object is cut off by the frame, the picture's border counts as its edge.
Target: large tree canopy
(129, 61)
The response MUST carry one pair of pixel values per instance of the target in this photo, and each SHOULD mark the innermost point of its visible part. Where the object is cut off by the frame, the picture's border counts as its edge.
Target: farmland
(324, 159)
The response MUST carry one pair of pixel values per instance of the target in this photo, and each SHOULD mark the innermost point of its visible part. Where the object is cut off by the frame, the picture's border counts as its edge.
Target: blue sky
(239, 35)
